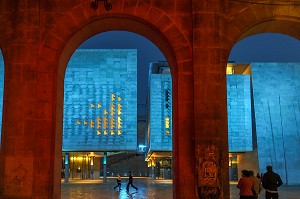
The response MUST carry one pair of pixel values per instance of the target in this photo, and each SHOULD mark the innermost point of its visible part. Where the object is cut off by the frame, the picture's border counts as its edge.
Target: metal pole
(104, 167)
(66, 167)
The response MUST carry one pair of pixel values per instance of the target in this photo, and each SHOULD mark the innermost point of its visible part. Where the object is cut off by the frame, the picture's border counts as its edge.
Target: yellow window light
(91, 124)
(113, 97)
(112, 123)
(167, 122)
(119, 109)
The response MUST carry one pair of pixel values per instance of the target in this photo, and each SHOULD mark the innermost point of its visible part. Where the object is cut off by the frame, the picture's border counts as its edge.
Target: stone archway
(128, 24)
(243, 20)
(284, 22)
(44, 52)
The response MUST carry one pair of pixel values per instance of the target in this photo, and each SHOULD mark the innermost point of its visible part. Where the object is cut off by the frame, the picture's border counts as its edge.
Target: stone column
(82, 167)
(183, 130)
(67, 167)
(104, 167)
(28, 129)
(210, 102)
(152, 172)
(99, 167)
(92, 167)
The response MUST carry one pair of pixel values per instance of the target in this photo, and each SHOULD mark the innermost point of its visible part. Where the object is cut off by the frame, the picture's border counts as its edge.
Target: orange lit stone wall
(37, 39)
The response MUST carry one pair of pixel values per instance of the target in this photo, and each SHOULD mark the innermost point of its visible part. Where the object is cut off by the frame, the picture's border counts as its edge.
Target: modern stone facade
(263, 118)
(159, 108)
(277, 114)
(100, 104)
(239, 113)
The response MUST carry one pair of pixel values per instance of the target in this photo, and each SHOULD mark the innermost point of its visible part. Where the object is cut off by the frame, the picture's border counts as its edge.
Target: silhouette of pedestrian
(257, 185)
(245, 185)
(271, 181)
(258, 176)
(118, 183)
(130, 182)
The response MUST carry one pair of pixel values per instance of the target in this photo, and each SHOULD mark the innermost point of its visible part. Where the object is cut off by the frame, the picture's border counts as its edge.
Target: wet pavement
(92, 189)
(148, 189)
(285, 192)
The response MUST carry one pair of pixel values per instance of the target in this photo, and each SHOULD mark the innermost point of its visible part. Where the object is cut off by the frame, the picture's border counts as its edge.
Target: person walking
(118, 183)
(245, 185)
(130, 182)
(270, 182)
(257, 185)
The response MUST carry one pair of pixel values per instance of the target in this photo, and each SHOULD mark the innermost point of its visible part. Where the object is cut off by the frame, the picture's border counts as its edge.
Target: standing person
(118, 183)
(261, 177)
(271, 181)
(245, 185)
(257, 184)
(130, 182)
(258, 176)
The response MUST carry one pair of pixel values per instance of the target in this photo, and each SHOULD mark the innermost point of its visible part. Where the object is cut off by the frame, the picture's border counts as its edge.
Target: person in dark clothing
(258, 176)
(270, 182)
(118, 183)
(130, 182)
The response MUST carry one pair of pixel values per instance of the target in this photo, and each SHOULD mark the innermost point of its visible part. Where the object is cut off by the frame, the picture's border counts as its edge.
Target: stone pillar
(83, 167)
(152, 172)
(92, 167)
(210, 102)
(67, 167)
(104, 167)
(29, 142)
(183, 131)
(73, 166)
(99, 167)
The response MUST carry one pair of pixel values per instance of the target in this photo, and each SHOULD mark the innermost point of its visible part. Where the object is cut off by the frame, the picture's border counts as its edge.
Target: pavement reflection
(147, 189)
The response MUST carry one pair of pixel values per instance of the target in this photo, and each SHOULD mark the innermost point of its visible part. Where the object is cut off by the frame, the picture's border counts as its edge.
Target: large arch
(175, 59)
(48, 47)
(244, 19)
(263, 19)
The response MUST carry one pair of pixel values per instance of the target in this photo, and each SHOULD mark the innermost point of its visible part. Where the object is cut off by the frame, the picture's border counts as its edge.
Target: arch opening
(262, 82)
(154, 36)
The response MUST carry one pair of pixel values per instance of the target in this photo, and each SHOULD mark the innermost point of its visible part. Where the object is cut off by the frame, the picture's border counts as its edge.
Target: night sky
(267, 47)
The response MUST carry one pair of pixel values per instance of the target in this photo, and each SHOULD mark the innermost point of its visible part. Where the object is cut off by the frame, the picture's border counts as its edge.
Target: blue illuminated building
(100, 111)
(100, 116)
(263, 102)
(100, 102)
(159, 119)
(160, 110)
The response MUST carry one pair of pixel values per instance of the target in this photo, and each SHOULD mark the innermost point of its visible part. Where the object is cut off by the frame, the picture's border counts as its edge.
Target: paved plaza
(151, 189)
